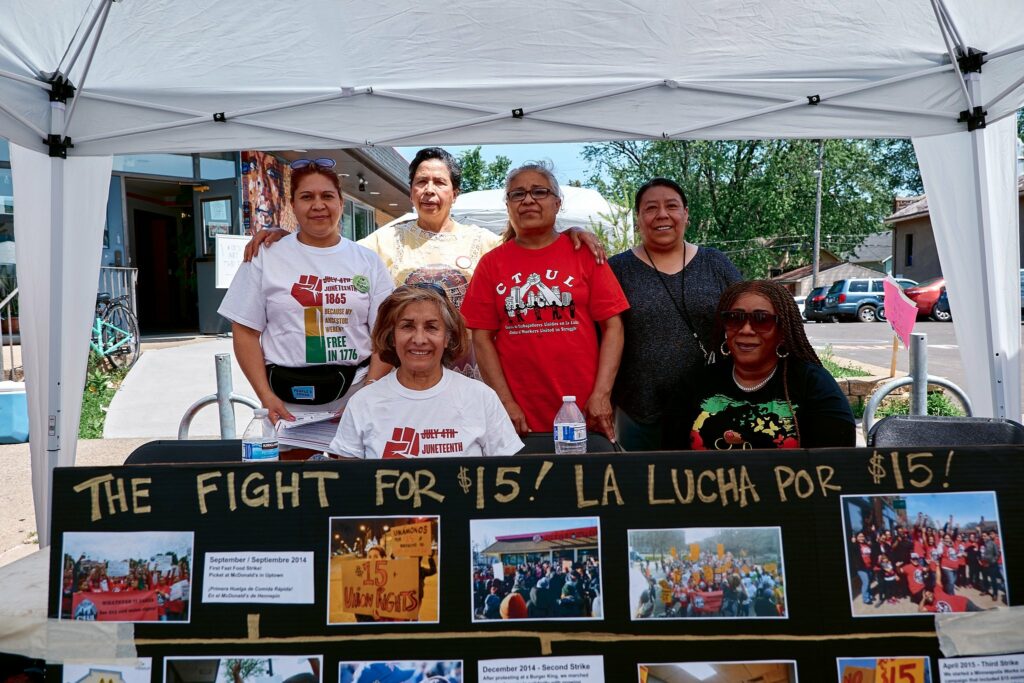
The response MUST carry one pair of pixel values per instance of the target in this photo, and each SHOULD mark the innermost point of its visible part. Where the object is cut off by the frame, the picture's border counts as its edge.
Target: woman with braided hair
(768, 390)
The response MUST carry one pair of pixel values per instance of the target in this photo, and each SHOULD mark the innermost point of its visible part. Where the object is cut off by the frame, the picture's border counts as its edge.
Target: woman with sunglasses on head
(768, 389)
(423, 408)
(673, 287)
(301, 314)
(532, 306)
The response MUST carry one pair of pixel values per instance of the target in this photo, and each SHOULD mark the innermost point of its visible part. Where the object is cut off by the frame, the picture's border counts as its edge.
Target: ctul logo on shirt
(538, 293)
(404, 443)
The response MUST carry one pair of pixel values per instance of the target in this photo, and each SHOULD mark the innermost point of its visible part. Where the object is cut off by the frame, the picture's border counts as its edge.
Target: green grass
(840, 370)
(938, 404)
(101, 384)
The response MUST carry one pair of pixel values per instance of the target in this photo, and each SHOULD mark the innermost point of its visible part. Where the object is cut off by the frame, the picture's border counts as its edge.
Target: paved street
(872, 343)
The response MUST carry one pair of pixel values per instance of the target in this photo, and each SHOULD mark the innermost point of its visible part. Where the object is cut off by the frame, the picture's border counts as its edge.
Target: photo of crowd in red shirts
(127, 576)
(924, 553)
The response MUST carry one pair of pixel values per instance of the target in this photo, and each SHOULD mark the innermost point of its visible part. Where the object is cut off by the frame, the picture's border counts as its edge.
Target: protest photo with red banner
(383, 569)
(127, 576)
(732, 573)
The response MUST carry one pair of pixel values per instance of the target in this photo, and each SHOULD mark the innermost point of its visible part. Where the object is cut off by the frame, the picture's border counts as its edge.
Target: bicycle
(115, 331)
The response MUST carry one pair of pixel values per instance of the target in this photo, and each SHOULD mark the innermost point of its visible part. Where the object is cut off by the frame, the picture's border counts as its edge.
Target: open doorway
(163, 247)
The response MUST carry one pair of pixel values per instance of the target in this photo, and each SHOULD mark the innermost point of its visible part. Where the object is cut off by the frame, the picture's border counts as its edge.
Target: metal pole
(919, 373)
(227, 411)
(817, 216)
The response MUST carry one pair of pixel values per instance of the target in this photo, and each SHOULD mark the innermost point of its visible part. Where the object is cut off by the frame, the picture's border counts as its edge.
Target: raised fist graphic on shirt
(404, 443)
(308, 291)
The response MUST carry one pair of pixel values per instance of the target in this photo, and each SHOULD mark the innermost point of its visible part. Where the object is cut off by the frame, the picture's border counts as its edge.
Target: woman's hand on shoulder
(581, 237)
(265, 237)
(518, 417)
(599, 410)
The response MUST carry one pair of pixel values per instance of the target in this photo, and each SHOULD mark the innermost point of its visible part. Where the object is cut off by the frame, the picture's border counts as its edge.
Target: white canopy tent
(86, 79)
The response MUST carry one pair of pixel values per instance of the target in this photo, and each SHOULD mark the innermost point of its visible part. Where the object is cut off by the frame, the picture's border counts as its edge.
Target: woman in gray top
(673, 289)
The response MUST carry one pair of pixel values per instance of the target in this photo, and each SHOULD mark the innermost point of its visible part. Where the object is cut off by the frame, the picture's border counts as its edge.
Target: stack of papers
(309, 430)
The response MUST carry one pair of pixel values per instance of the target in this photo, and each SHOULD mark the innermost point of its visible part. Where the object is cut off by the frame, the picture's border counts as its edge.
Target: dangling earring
(723, 349)
(779, 353)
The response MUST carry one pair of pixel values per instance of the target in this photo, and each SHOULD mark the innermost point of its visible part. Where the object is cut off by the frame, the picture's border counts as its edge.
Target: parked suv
(858, 298)
(814, 303)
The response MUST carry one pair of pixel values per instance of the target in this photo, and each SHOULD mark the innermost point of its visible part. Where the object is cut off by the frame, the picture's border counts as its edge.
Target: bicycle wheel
(120, 336)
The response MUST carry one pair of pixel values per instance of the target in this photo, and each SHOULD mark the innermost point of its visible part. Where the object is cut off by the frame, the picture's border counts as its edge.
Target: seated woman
(533, 304)
(422, 408)
(769, 390)
(301, 315)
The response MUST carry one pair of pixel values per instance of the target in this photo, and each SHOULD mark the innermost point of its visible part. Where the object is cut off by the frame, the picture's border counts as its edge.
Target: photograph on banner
(572, 669)
(139, 671)
(731, 573)
(400, 672)
(536, 569)
(244, 669)
(922, 553)
(383, 570)
(127, 576)
(884, 670)
(782, 671)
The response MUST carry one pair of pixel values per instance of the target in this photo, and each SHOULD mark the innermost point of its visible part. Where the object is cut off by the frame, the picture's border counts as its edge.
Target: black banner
(815, 499)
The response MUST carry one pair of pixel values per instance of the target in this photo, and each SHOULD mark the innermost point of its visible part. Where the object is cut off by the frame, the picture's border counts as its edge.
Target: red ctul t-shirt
(946, 603)
(915, 577)
(543, 303)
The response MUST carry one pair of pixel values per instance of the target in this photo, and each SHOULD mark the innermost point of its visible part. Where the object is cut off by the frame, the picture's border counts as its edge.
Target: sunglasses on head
(432, 286)
(322, 162)
(760, 321)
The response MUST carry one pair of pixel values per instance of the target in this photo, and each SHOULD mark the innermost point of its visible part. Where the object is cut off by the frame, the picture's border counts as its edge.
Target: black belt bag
(313, 385)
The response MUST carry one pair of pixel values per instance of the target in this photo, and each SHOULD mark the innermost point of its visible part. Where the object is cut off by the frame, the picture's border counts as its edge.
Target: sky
(965, 507)
(491, 528)
(122, 545)
(565, 156)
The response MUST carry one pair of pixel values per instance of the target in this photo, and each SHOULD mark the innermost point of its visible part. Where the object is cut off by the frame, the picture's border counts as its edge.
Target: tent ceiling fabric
(404, 72)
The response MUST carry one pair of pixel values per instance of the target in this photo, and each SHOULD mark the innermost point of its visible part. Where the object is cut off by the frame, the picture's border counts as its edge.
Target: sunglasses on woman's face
(322, 162)
(760, 321)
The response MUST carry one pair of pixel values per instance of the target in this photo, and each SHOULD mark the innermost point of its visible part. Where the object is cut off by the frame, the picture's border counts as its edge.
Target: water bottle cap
(260, 412)
(566, 399)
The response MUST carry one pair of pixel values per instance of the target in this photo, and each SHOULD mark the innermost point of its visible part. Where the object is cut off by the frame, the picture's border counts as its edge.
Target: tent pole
(23, 121)
(299, 131)
(104, 6)
(1016, 84)
(55, 360)
(952, 55)
(952, 27)
(85, 69)
(24, 79)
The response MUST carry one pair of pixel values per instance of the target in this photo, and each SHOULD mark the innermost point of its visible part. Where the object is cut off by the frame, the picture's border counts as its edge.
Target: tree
(478, 174)
(754, 199)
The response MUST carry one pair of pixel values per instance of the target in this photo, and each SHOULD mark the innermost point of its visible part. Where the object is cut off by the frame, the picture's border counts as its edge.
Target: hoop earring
(779, 353)
(723, 349)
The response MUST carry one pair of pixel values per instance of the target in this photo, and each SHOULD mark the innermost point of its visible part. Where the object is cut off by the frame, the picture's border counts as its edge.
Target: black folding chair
(171, 452)
(935, 430)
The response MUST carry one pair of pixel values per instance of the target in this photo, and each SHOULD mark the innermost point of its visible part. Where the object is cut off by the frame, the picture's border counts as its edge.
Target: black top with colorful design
(727, 417)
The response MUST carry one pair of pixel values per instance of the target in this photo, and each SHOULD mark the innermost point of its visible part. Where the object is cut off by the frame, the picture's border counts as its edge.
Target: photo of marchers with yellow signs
(924, 553)
(383, 570)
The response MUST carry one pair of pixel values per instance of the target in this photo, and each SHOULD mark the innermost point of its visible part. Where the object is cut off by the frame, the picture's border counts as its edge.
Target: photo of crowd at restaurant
(719, 672)
(924, 553)
(733, 573)
(243, 669)
(383, 570)
(400, 672)
(127, 576)
(536, 569)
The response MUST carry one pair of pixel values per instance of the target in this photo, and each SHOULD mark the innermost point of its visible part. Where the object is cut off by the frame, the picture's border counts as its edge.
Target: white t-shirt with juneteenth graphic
(456, 416)
(313, 305)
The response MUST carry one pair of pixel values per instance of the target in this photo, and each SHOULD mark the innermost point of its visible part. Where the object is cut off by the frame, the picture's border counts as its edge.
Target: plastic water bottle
(570, 428)
(259, 442)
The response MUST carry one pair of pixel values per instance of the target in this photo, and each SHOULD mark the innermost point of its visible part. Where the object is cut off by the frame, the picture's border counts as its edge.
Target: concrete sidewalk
(17, 513)
(164, 383)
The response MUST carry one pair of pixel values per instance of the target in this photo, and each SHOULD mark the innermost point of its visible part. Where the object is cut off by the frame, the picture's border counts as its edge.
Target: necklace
(681, 305)
(759, 385)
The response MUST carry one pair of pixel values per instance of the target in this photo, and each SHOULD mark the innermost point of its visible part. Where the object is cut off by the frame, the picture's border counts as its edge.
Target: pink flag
(900, 311)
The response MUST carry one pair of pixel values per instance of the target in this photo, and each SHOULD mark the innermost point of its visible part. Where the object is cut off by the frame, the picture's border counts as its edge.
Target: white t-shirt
(313, 305)
(456, 416)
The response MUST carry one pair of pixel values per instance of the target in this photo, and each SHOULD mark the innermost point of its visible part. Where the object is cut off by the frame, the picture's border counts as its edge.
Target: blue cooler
(13, 413)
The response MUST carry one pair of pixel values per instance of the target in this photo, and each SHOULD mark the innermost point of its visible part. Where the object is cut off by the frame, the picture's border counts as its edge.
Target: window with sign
(216, 221)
